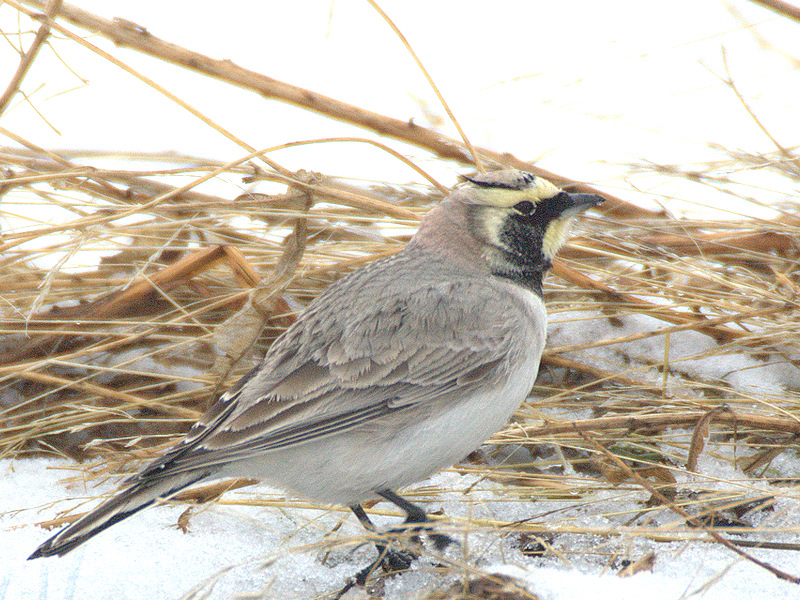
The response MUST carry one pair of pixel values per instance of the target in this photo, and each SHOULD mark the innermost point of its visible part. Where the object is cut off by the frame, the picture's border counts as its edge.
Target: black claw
(345, 589)
(391, 561)
(395, 561)
(440, 540)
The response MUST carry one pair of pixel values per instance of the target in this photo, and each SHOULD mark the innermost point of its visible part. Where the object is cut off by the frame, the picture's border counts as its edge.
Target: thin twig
(137, 37)
(476, 158)
(693, 521)
(785, 9)
(27, 59)
(650, 421)
(730, 82)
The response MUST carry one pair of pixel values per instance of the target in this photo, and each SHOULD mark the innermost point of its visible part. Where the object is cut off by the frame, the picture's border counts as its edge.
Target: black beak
(581, 202)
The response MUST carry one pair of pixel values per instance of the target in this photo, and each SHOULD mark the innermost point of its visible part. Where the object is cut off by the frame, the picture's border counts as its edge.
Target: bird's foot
(391, 561)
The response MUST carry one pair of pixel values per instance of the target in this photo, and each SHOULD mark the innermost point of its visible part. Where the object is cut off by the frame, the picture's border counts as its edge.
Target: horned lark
(394, 372)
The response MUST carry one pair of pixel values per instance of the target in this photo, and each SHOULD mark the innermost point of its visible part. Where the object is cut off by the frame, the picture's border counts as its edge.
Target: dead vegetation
(133, 294)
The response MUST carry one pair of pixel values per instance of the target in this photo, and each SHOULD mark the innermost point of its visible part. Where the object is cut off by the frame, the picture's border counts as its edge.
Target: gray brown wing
(344, 363)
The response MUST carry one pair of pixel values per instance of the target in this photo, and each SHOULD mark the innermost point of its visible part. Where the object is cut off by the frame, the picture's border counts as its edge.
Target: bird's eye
(525, 207)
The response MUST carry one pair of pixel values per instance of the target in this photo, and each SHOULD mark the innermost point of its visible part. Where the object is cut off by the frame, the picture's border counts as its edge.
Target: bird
(394, 372)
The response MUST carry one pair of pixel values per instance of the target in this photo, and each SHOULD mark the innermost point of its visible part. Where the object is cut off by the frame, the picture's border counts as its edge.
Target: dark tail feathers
(127, 502)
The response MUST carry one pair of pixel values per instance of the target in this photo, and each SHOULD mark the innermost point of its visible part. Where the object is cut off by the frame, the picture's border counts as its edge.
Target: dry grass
(109, 361)
(127, 351)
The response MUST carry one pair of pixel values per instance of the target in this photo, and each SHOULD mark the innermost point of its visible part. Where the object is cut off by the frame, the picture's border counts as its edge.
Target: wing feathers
(340, 366)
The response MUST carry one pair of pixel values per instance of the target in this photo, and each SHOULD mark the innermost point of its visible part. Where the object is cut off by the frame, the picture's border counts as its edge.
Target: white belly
(398, 450)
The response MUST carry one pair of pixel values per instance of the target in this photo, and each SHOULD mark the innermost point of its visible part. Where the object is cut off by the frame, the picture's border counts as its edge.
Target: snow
(587, 88)
(256, 543)
(233, 551)
(688, 352)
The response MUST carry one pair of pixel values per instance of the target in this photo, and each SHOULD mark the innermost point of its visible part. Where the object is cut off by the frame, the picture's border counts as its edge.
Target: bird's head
(522, 218)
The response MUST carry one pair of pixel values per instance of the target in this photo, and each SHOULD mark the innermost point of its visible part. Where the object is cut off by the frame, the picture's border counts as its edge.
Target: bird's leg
(390, 560)
(416, 516)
